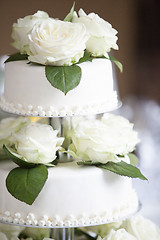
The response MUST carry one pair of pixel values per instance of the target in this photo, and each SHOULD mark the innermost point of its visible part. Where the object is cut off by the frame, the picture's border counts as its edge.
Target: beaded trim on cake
(72, 221)
(52, 111)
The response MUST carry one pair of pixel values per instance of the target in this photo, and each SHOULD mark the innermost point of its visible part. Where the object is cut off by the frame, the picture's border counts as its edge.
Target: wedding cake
(69, 198)
(76, 168)
(70, 194)
(93, 95)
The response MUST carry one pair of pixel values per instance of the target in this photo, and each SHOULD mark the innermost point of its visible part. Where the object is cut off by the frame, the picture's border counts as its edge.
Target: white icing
(28, 92)
(72, 196)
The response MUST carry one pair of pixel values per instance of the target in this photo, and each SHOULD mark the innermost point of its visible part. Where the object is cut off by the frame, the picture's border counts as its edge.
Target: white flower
(141, 228)
(55, 42)
(102, 140)
(3, 236)
(120, 234)
(37, 143)
(102, 35)
(9, 126)
(10, 231)
(37, 233)
(23, 27)
(103, 230)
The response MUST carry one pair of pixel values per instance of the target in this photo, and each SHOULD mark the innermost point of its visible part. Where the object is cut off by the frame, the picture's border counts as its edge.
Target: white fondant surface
(28, 92)
(72, 196)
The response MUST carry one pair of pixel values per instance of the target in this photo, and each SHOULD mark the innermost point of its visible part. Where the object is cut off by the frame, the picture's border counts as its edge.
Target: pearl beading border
(71, 220)
(51, 111)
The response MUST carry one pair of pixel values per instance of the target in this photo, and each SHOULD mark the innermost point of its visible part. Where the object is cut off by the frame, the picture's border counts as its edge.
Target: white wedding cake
(72, 196)
(69, 171)
(94, 94)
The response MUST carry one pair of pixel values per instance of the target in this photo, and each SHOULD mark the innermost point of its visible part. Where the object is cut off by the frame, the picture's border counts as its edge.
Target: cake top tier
(70, 71)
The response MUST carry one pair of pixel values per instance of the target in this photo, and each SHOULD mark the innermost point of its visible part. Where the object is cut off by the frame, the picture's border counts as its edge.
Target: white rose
(9, 231)
(23, 27)
(103, 230)
(37, 233)
(9, 126)
(102, 35)
(102, 140)
(120, 234)
(54, 42)
(3, 236)
(37, 143)
(141, 228)
(16, 238)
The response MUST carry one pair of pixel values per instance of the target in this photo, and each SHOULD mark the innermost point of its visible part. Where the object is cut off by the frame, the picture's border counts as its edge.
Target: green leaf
(18, 159)
(88, 163)
(121, 168)
(25, 184)
(133, 159)
(65, 78)
(17, 57)
(69, 16)
(124, 169)
(86, 57)
(118, 64)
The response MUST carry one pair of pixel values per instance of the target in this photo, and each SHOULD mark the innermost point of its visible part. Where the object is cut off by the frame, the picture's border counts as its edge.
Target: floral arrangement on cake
(133, 228)
(106, 143)
(61, 46)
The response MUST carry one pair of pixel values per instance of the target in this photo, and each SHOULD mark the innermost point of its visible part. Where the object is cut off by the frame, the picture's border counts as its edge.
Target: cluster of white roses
(134, 228)
(8, 126)
(36, 142)
(109, 138)
(102, 140)
(50, 41)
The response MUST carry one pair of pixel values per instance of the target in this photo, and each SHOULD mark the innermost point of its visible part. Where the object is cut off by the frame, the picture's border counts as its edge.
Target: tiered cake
(94, 94)
(78, 172)
(72, 196)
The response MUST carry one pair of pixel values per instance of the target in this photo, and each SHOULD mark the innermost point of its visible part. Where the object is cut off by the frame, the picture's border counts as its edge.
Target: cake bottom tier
(72, 196)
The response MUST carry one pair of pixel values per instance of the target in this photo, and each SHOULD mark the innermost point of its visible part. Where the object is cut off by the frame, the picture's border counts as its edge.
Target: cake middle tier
(72, 196)
(28, 92)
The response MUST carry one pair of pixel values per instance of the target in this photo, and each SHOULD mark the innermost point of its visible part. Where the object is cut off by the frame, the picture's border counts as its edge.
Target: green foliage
(17, 57)
(69, 16)
(64, 78)
(25, 184)
(19, 160)
(118, 64)
(121, 168)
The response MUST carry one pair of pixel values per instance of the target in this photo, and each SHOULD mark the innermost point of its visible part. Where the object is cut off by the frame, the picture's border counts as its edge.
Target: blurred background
(137, 22)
